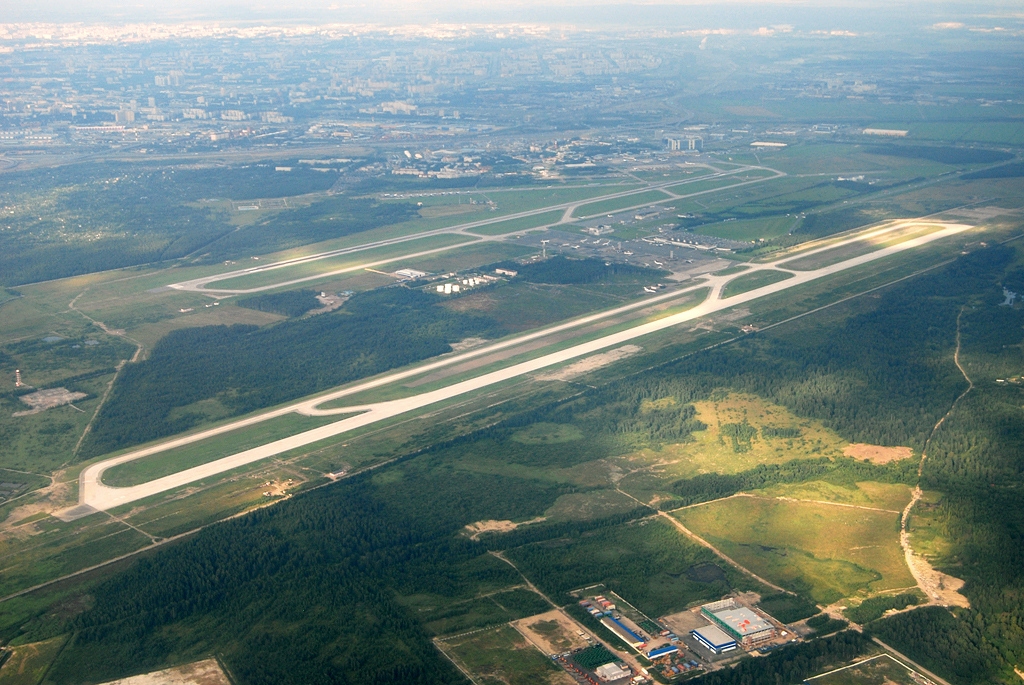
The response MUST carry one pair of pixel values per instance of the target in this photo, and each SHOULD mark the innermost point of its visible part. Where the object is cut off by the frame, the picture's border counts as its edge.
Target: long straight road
(97, 496)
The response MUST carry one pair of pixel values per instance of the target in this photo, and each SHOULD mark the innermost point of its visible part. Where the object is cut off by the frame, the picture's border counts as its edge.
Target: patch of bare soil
(48, 500)
(877, 454)
(206, 672)
(553, 632)
(328, 303)
(940, 587)
(492, 526)
(467, 343)
(591, 363)
(41, 400)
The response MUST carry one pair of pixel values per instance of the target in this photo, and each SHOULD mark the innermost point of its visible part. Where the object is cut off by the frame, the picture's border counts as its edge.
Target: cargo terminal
(745, 626)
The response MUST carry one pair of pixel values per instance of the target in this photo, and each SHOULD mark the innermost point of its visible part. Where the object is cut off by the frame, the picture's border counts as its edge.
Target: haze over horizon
(879, 16)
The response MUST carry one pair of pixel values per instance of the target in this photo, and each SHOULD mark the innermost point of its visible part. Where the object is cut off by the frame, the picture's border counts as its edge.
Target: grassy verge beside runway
(181, 458)
(753, 281)
(619, 203)
(272, 276)
(520, 224)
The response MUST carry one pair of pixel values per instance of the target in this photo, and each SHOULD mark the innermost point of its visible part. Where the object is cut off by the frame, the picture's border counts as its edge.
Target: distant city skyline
(584, 12)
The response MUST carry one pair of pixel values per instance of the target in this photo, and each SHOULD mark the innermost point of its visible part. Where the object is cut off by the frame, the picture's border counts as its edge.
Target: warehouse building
(714, 639)
(659, 652)
(742, 624)
(628, 635)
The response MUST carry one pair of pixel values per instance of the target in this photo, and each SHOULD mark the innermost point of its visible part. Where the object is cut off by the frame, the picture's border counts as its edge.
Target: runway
(94, 495)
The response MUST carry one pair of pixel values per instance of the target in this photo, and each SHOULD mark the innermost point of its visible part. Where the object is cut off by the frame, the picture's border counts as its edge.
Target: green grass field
(510, 201)
(712, 451)
(521, 224)
(322, 266)
(62, 549)
(28, 663)
(502, 655)
(749, 229)
(704, 185)
(529, 305)
(181, 458)
(645, 562)
(826, 551)
(619, 203)
(891, 496)
(753, 281)
(673, 175)
(882, 670)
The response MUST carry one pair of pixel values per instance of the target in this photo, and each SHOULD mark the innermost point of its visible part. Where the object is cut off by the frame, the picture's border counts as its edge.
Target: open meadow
(829, 551)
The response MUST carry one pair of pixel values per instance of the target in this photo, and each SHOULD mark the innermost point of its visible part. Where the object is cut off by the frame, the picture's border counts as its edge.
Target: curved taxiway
(94, 495)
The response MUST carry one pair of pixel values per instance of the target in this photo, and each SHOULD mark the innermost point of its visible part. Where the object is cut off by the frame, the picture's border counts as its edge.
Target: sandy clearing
(939, 587)
(877, 454)
(551, 632)
(99, 496)
(206, 672)
(590, 363)
(496, 526)
(41, 400)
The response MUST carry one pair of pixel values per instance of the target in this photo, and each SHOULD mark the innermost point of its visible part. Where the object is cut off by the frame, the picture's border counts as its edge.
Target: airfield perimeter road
(94, 495)
(200, 284)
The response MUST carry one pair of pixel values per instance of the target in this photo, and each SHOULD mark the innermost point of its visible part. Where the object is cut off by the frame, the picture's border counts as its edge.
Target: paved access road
(97, 496)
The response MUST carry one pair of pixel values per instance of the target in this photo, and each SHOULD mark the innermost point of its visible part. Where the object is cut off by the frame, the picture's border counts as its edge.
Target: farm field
(826, 551)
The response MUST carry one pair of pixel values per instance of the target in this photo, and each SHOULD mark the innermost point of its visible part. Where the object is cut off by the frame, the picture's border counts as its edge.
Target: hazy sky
(581, 12)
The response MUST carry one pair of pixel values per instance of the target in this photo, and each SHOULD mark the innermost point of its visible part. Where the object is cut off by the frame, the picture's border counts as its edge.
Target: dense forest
(243, 368)
(311, 592)
(288, 303)
(113, 215)
(288, 593)
(792, 664)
